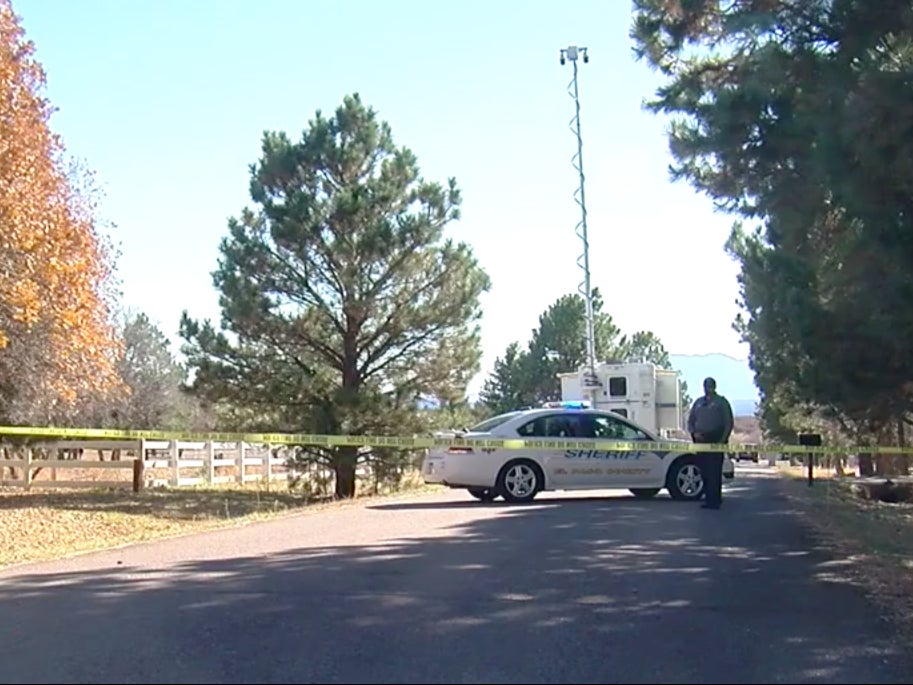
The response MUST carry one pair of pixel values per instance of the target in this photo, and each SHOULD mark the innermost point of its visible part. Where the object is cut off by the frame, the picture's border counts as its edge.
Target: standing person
(710, 421)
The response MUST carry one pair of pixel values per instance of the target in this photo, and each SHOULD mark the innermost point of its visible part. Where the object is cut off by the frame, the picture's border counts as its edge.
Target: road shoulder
(875, 539)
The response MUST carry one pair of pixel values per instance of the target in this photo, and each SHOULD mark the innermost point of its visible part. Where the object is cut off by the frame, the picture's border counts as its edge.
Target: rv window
(621, 411)
(618, 386)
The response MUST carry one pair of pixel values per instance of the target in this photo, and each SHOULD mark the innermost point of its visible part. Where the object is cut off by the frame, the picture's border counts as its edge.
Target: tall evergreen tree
(504, 390)
(342, 300)
(794, 116)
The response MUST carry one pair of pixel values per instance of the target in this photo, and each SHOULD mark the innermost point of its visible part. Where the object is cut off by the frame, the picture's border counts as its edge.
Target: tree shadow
(586, 590)
(552, 499)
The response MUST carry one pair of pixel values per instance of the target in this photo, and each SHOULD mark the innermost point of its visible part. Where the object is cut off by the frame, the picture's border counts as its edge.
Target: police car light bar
(567, 404)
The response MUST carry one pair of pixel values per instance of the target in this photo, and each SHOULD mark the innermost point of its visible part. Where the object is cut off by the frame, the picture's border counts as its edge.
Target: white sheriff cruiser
(518, 475)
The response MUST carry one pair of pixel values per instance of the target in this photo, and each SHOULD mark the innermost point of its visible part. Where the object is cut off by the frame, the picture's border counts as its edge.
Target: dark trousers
(712, 473)
(711, 465)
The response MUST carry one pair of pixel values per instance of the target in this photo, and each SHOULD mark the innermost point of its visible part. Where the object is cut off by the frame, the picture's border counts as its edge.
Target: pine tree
(342, 300)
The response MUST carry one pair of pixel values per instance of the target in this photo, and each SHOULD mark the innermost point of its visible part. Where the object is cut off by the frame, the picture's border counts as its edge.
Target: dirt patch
(39, 526)
(877, 537)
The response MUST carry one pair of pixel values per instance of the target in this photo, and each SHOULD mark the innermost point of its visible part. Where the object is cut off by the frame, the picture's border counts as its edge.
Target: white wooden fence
(136, 464)
(139, 463)
(192, 463)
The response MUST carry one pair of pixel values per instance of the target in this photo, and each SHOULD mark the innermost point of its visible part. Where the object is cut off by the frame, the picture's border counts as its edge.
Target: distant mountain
(744, 407)
(734, 378)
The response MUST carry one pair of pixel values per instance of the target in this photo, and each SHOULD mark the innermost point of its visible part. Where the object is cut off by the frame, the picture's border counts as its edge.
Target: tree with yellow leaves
(58, 348)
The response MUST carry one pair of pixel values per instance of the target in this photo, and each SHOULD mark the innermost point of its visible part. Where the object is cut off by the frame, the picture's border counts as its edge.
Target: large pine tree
(796, 117)
(342, 300)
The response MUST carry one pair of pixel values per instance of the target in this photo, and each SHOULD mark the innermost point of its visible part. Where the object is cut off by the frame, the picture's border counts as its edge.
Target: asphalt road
(442, 589)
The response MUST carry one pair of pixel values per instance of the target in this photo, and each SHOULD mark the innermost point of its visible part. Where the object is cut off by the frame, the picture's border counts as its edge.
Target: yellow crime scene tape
(32, 433)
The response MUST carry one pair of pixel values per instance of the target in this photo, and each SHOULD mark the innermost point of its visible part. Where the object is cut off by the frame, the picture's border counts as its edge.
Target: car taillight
(459, 450)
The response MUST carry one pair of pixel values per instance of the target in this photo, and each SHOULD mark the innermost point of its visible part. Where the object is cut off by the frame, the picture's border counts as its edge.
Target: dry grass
(877, 537)
(747, 429)
(801, 471)
(38, 526)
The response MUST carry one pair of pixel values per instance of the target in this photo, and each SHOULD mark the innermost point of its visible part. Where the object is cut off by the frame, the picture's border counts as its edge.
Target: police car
(519, 475)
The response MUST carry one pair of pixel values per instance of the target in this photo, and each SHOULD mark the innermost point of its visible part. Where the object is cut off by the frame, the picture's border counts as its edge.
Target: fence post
(210, 463)
(268, 465)
(28, 468)
(139, 467)
(54, 454)
(241, 462)
(175, 464)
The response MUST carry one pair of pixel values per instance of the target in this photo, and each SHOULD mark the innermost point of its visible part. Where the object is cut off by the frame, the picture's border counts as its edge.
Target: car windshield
(494, 422)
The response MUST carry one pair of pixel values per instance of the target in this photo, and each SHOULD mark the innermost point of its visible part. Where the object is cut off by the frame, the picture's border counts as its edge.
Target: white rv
(643, 392)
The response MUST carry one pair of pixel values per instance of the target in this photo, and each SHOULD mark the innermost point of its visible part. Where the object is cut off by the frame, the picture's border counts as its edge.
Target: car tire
(685, 481)
(520, 481)
(645, 493)
(483, 494)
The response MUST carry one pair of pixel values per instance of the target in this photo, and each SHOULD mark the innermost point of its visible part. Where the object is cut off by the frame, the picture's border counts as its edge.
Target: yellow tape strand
(405, 442)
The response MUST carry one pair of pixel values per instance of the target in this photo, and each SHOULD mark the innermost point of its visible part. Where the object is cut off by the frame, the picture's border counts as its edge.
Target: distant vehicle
(519, 475)
(748, 456)
(643, 392)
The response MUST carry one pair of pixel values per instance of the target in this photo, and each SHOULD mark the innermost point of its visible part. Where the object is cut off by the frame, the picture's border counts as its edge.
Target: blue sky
(166, 101)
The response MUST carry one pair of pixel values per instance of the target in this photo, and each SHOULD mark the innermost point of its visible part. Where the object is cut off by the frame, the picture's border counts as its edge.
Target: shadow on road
(553, 500)
(573, 589)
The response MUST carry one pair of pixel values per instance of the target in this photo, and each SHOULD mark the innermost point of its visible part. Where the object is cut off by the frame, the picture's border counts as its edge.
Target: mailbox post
(810, 440)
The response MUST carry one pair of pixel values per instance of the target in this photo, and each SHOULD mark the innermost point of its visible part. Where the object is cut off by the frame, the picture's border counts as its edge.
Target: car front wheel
(685, 482)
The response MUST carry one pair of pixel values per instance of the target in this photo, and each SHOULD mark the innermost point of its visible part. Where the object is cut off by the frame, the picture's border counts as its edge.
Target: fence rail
(140, 463)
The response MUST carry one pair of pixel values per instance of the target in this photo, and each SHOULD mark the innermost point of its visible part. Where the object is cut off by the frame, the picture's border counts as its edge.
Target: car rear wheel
(685, 481)
(484, 494)
(520, 480)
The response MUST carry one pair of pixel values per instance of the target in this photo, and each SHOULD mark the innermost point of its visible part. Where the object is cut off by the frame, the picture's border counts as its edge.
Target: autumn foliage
(57, 345)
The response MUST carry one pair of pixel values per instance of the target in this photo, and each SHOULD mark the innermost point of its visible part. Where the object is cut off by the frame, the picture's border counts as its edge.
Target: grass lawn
(42, 525)
(877, 537)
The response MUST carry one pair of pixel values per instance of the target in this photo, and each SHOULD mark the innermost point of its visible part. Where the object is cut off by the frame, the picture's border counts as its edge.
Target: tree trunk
(866, 466)
(885, 464)
(345, 461)
(901, 461)
(881, 468)
(346, 458)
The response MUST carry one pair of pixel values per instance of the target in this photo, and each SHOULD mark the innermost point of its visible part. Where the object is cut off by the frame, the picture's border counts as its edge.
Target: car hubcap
(520, 480)
(689, 480)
